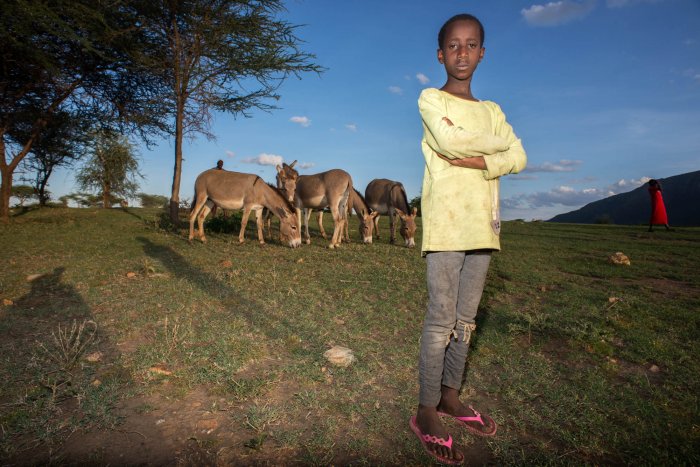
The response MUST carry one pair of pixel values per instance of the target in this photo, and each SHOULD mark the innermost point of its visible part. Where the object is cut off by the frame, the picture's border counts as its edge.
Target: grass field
(120, 342)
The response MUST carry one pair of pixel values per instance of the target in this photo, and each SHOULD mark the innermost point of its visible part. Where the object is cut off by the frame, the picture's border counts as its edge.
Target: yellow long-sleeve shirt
(460, 205)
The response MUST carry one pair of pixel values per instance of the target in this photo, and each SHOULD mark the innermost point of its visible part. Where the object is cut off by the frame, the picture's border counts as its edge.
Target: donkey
(234, 190)
(389, 197)
(287, 184)
(364, 214)
(326, 189)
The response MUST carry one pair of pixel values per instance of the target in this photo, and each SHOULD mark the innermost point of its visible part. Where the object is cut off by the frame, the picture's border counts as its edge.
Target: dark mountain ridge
(681, 195)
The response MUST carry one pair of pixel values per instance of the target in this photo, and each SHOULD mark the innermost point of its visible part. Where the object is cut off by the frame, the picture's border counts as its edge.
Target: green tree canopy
(79, 57)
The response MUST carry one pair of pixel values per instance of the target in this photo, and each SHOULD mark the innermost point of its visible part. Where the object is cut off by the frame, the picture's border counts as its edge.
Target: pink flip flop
(478, 418)
(425, 439)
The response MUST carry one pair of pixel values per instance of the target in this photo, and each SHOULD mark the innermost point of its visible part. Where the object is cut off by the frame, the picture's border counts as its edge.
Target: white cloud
(556, 13)
(305, 165)
(565, 195)
(422, 79)
(351, 126)
(395, 90)
(563, 165)
(264, 159)
(230, 154)
(303, 121)
(624, 3)
(630, 184)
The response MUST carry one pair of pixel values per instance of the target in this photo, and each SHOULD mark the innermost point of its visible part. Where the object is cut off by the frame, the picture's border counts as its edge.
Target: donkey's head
(367, 225)
(287, 179)
(290, 232)
(408, 226)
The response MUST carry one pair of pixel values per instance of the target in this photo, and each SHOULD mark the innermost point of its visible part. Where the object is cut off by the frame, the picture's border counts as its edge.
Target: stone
(94, 357)
(619, 258)
(339, 356)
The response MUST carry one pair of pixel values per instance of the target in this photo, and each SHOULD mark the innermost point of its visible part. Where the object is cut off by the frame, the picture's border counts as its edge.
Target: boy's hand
(448, 121)
(467, 162)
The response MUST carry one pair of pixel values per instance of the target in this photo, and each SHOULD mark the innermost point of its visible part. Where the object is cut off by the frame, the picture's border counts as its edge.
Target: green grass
(580, 361)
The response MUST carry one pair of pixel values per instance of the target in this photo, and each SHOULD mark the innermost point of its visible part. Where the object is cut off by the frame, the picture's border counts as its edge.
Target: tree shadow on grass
(178, 266)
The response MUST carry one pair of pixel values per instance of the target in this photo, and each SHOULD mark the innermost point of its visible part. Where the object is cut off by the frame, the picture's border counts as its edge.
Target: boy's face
(461, 51)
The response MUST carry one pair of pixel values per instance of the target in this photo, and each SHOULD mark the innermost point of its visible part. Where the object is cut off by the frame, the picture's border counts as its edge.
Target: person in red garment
(658, 209)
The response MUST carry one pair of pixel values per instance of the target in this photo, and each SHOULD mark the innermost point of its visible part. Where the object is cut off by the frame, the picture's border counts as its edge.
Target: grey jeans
(455, 284)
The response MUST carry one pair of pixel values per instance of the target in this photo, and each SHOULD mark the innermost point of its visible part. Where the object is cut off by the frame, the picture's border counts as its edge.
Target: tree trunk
(43, 181)
(5, 193)
(106, 203)
(177, 173)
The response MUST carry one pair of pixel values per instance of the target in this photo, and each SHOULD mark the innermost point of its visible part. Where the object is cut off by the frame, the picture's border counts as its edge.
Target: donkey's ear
(280, 213)
(414, 212)
(374, 214)
(279, 168)
(291, 166)
(401, 213)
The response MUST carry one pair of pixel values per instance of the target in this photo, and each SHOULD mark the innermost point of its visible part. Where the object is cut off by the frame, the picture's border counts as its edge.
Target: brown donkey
(329, 189)
(364, 214)
(287, 178)
(234, 191)
(389, 197)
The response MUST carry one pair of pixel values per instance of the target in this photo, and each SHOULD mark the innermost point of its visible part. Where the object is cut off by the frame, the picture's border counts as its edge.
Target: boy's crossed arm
(468, 162)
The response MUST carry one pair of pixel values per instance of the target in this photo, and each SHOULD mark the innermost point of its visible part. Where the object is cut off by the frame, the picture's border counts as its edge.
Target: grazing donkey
(389, 197)
(233, 191)
(364, 214)
(329, 189)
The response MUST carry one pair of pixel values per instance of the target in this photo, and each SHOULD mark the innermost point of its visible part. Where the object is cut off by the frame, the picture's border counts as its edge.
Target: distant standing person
(468, 145)
(658, 208)
(220, 164)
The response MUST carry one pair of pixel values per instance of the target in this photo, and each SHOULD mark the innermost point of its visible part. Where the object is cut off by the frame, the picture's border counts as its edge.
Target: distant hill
(681, 196)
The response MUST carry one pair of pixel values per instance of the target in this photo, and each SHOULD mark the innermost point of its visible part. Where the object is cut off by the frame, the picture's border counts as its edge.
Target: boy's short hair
(460, 17)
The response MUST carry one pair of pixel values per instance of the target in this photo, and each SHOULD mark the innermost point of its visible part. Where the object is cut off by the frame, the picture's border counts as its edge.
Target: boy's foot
(435, 440)
(474, 421)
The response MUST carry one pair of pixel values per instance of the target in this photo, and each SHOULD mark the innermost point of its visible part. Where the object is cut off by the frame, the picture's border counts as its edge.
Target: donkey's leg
(267, 223)
(203, 213)
(338, 219)
(346, 229)
(319, 217)
(376, 226)
(195, 212)
(392, 226)
(259, 222)
(244, 221)
(307, 215)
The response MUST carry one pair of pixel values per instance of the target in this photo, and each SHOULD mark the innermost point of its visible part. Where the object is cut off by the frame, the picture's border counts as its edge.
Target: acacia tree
(112, 169)
(23, 193)
(78, 57)
(152, 201)
(221, 56)
(62, 143)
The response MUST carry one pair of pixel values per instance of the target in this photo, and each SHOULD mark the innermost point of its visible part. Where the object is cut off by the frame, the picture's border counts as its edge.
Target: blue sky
(603, 93)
